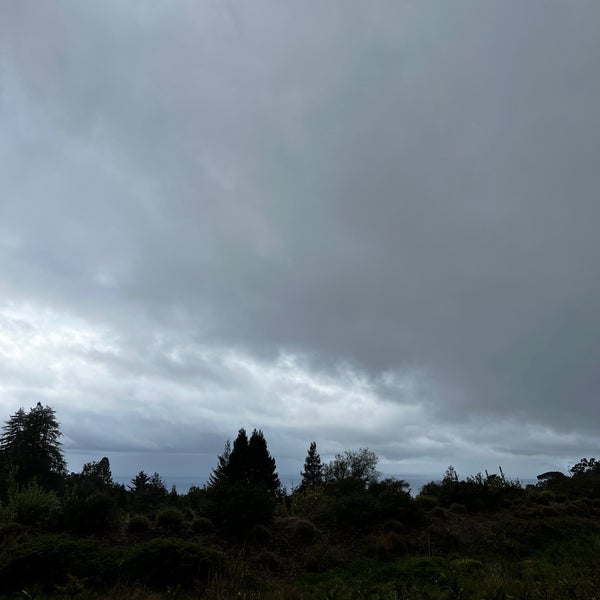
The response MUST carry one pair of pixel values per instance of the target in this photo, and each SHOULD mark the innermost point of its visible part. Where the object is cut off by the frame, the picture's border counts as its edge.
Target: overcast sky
(360, 223)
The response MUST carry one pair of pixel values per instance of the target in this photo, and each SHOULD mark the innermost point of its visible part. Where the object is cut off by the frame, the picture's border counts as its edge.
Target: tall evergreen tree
(244, 486)
(30, 447)
(313, 468)
(261, 465)
(248, 463)
(147, 491)
(220, 472)
(237, 469)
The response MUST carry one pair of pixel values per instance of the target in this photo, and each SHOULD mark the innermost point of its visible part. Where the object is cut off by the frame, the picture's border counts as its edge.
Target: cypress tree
(313, 468)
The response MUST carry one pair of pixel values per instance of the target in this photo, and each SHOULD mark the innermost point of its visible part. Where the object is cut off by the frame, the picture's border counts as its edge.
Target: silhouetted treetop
(355, 465)
(30, 446)
(248, 462)
(244, 486)
(586, 466)
(312, 474)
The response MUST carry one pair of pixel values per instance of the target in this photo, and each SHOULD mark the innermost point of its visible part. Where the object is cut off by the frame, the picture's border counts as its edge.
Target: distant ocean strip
(184, 483)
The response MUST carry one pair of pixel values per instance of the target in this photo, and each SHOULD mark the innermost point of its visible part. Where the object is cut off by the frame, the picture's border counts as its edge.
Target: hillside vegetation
(344, 533)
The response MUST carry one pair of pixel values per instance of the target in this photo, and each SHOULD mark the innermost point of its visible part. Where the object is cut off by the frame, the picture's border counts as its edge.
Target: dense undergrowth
(530, 550)
(344, 533)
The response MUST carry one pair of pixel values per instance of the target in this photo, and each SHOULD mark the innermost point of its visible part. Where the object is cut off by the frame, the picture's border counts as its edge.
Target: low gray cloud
(362, 225)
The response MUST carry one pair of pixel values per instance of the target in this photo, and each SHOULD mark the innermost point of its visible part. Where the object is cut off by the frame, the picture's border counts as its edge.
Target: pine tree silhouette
(313, 468)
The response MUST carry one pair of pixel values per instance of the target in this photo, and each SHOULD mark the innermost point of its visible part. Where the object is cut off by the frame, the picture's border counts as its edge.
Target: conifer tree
(237, 468)
(261, 465)
(30, 447)
(220, 472)
(244, 486)
(313, 468)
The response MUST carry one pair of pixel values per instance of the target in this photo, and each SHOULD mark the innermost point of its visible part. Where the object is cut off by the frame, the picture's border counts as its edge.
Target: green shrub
(303, 530)
(138, 524)
(48, 559)
(169, 518)
(393, 525)
(11, 530)
(260, 534)
(312, 504)
(96, 513)
(202, 525)
(425, 502)
(32, 505)
(170, 561)
(356, 510)
(456, 507)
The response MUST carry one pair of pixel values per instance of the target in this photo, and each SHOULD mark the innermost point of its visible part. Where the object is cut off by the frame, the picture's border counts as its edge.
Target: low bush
(170, 561)
(312, 504)
(138, 524)
(95, 513)
(425, 502)
(46, 560)
(259, 535)
(202, 525)
(303, 531)
(169, 518)
(32, 505)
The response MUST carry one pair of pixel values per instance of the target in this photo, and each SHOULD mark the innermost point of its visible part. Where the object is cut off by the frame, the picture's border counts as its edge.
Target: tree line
(243, 489)
(61, 528)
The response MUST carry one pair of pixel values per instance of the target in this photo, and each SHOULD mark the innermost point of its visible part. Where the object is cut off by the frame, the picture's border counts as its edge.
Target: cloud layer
(363, 224)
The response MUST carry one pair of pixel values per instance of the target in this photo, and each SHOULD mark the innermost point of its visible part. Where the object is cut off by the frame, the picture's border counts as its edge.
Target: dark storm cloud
(393, 190)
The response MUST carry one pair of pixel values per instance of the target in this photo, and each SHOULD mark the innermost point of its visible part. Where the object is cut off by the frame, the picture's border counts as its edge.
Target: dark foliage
(147, 492)
(93, 513)
(354, 468)
(30, 448)
(352, 495)
(202, 526)
(92, 499)
(34, 506)
(312, 474)
(392, 500)
(343, 533)
(475, 493)
(170, 519)
(583, 482)
(48, 559)
(244, 487)
(169, 561)
(138, 524)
